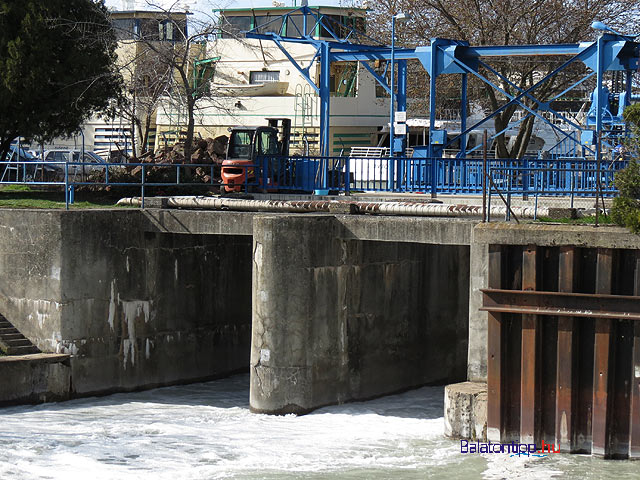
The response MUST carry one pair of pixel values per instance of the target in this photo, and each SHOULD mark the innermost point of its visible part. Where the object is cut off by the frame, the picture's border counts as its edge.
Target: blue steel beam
(304, 71)
(583, 79)
(525, 50)
(381, 80)
(540, 103)
(517, 99)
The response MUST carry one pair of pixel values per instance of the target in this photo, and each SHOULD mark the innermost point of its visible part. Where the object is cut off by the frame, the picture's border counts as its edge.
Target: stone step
(12, 342)
(17, 342)
(22, 350)
(11, 336)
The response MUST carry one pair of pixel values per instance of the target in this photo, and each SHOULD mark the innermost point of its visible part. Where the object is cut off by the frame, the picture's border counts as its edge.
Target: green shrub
(625, 210)
(627, 181)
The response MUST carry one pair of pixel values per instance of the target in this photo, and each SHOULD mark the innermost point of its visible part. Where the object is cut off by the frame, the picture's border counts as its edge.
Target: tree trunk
(188, 143)
(524, 136)
(144, 134)
(134, 121)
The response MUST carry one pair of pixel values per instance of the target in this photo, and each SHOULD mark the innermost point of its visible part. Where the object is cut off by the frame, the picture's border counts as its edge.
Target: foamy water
(205, 431)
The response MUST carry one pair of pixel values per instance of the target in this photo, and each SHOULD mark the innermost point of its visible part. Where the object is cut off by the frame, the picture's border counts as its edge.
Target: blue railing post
(572, 187)
(525, 178)
(535, 208)
(510, 173)
(66, 185)
(142, 187)
(347, 176)
(434, 177)
(488, 187)
(325, 174)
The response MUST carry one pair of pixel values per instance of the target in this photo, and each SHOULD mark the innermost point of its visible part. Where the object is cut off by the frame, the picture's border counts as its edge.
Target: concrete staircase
(12, 342)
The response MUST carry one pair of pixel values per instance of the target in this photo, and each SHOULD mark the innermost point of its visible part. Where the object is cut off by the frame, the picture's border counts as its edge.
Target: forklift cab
(250, 143)
(245, 146)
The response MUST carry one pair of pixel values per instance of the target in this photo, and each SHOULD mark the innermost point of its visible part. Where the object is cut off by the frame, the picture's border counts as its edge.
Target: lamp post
(402, 17)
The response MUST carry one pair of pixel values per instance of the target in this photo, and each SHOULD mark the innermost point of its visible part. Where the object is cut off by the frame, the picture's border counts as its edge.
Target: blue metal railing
(453, 176)
(73, 174)
(573, 179)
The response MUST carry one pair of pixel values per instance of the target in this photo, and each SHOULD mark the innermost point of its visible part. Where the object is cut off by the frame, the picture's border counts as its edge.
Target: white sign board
(401, 117)
(400, 128)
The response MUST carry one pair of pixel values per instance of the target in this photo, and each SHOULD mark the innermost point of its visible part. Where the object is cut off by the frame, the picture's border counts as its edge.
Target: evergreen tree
(57, 67)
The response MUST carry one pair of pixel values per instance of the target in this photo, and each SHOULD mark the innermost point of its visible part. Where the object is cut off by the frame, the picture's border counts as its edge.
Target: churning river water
(205, 431)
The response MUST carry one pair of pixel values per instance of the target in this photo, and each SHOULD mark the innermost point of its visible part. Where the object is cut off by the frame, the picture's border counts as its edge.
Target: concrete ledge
(35, 378)
(37, 358)
(431, 230)
(555, 235)
(198, 221)
(465, 411)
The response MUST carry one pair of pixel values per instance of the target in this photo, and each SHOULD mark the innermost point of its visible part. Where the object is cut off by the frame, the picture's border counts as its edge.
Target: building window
(262, 76)
(124, 28)
(165, 30)
(232, 27)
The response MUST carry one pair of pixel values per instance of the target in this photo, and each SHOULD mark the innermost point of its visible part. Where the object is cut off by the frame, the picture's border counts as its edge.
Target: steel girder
(611, 52)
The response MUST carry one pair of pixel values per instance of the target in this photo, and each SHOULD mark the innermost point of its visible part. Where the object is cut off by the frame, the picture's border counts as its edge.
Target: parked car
(21, 169)
(91, 162)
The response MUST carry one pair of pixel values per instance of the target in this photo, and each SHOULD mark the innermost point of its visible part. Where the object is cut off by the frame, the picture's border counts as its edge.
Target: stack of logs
(209, 151)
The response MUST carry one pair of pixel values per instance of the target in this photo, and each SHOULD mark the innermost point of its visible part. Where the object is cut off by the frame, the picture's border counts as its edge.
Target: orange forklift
(240, 168)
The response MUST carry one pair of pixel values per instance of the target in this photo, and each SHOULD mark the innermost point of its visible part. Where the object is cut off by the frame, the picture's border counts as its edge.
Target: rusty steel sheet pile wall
(563, 361)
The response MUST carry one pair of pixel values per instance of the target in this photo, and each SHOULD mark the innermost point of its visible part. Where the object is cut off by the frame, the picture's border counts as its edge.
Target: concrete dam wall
(134, 306)
(341, 307)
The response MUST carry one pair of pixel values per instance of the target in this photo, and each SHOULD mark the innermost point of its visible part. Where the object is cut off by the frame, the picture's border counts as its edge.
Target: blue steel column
(325, 100)
(629, 81)
(598, 93)
(304, 21)
(463, 116)
(463, 128)
(432, 115)
(402, 107)
(391, 164)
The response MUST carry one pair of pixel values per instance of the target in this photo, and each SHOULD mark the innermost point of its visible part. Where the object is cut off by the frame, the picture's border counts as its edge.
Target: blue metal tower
(610, 52)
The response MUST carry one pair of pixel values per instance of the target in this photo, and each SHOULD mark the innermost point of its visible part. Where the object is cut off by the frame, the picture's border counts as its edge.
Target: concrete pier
(337, 319)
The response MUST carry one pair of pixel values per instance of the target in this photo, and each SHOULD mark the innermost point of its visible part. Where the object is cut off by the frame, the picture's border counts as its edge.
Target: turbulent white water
(205, 431)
